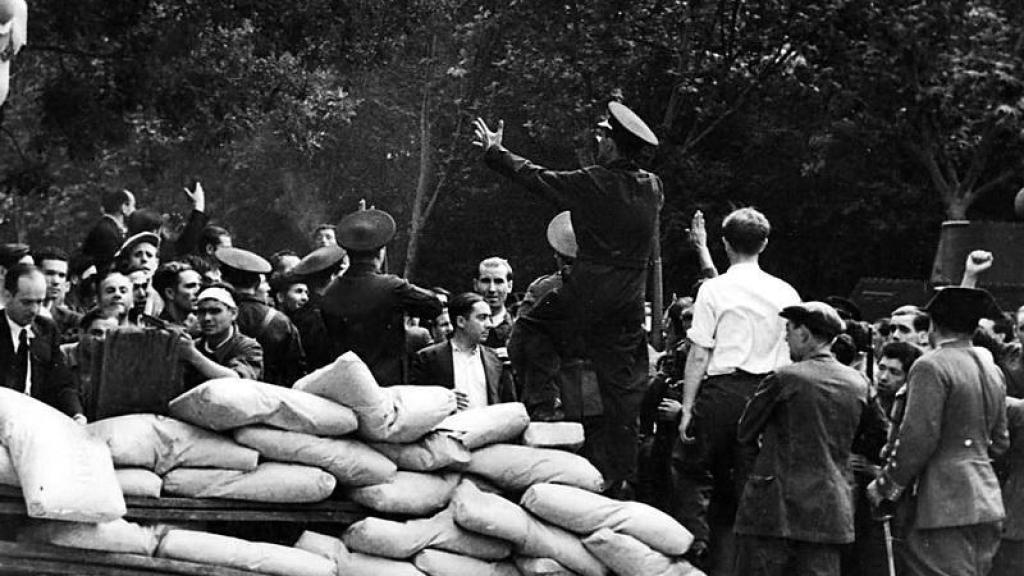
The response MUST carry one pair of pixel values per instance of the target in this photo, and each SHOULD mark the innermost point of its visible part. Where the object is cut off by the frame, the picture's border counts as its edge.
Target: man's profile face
(443, 327)
(128, 207)
(56, 273)
(189, 283)
(477, 323)
(890, 376)
(294, 298)
(215, 318)
(493, 284)
(23, 306)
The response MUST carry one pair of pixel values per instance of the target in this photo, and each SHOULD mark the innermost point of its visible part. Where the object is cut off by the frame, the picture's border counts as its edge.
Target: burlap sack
(418, 409)
(411, 493)
(627, 556)
(217, 550)
(584, 513)
(269, 482)
(405, 539)
(64, 473)
(350, 461)
(227, 403)
(479, 427)
(494, 516)
(557, 435)
(441, 563)
(349, 382)
(529, 566)
(435, 451)
(159, 443)
(353, 563)
(515, 468)
(114, 536)
(139, 482)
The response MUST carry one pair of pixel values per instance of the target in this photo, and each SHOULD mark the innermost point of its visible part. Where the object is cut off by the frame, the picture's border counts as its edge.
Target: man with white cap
(221, 351)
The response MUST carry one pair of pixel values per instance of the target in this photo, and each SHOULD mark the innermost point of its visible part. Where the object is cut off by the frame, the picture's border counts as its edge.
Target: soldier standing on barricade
(614, 209)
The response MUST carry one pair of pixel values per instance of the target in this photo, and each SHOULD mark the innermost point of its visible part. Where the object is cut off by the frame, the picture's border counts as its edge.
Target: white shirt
(15, 338)
(468, 366)
(736, 315)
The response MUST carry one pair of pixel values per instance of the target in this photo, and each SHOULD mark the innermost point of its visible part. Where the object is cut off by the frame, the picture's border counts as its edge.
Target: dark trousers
(958, 551)
(709, 474)
(1009, 560)
(767, 556)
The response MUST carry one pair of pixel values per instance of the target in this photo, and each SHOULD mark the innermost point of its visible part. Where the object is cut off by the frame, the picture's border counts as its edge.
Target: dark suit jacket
(433, 366)
(364, 311)
(51, 379)
(102, 242)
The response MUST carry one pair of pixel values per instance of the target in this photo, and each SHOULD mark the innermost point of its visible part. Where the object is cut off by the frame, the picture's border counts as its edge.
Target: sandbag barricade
(114, 536)
(557, 435)
(583, 512)
(139, 482)
(228, 403)
(627, 556)
(269, 482)
(64, 473)
(494, 516)
(402, 540)
(353, 563)
(529, 566)
(410, 493)
(350, 461)
(441, 563)
(479, 427)
(160, 444)
(435, 451)
(207, 548)
(515, 468)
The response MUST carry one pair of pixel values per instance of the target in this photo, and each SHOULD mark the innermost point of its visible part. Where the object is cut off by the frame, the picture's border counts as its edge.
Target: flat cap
(133, 241)
(820, 318)
(318, 260)
(242, 260)
(846, 308)
(366, 230)
(560, 235)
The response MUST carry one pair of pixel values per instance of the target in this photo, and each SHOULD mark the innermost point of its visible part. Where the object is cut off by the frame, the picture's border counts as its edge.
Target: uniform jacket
(363, 312)
(283, 356)
(954, 421)
(433, 366)
(102, 242)
(1013, 486)
(807, 417)
(52, 382)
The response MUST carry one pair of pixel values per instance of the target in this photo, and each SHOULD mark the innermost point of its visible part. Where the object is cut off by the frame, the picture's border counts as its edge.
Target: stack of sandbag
(144, 447)
(64, 473)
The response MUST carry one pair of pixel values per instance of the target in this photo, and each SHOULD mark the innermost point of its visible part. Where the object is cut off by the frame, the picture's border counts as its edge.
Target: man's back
(283, 357)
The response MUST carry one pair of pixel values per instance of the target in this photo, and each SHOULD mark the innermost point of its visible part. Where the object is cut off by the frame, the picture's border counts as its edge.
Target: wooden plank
(95, 562)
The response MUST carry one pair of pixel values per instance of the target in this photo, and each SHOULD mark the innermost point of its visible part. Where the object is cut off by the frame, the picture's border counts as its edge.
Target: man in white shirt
(737, 338)
(463, 363)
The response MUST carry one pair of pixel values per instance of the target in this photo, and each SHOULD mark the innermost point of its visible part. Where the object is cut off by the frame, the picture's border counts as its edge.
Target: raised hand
(484, 137)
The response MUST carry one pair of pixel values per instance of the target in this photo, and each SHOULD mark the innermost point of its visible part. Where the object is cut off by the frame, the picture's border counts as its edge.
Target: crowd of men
(789, 437)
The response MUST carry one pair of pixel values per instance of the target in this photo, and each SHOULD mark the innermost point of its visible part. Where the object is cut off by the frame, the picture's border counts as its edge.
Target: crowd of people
(789, 437)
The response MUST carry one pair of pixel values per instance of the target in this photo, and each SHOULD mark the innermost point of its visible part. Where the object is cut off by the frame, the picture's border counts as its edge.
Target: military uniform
(614, 211)
(283, 357)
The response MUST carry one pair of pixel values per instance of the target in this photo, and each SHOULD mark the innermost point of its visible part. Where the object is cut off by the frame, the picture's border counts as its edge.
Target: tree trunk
(423, 181)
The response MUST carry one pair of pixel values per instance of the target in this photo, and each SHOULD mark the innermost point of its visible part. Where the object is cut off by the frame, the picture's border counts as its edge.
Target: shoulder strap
(985, 382)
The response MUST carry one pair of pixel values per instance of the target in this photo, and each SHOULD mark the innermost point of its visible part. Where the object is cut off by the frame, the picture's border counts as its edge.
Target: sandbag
(479, 427)
(530, 566)
(583, 512)
(441, 563)
(263, 557)
(516, 468)
(8, 476)
(269, 482)
(405, 539)
(139, 482)
(418, 409)
(353, 563)
(227, 403)
(349, 382)
(435, 451)
(558, 435)
(412, 493)
(627, 556)
(494, 516)
(350, 461)
(159, 443)
(64, 473)
(114, 536)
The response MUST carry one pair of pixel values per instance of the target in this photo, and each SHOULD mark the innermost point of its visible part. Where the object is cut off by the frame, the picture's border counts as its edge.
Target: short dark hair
(921, 320)
(746, 230)
(92, 316)
(144, 220)
(112, 200)
(211, 235)
(494, 262)
(330, 227)
(1005, 325)
(905, 352)
(16, 272)
(168, 275)
(51, 253)
(462, 304)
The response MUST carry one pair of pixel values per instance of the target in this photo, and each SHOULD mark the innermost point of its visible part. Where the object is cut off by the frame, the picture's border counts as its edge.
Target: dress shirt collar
(16, 330)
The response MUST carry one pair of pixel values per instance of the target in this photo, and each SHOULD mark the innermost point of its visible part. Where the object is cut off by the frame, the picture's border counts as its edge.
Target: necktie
(21, 361)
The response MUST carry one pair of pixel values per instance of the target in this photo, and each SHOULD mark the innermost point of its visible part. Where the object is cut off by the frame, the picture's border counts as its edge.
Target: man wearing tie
(30, 358)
